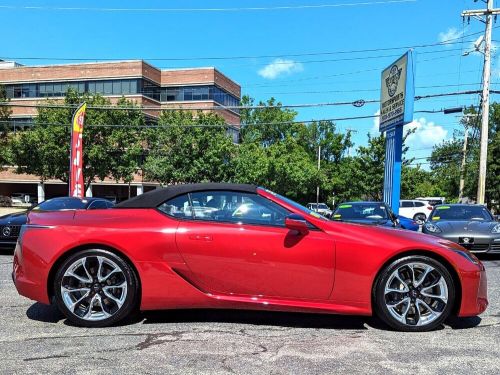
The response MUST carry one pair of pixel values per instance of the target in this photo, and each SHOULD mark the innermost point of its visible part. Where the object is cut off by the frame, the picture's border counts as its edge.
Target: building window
(193, 93)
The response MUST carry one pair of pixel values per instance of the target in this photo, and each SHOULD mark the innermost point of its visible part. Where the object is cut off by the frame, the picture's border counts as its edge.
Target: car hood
(386, 236)
(18, 218)
(465, 226)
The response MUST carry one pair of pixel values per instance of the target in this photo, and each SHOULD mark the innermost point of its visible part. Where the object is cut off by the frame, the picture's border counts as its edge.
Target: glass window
(108, 87)
(406, 204)
(461, 213)
(117, 87)
(99, 87)
(57, 89)
(419, 204)
(97, 205)
(9, 91)
(81, 87)
(91, 86)
(179, 207)
(188, 94)
(125, 87)
(360, 211)
(18, 91)
(236, 207)
(133, 87)
(57, 204)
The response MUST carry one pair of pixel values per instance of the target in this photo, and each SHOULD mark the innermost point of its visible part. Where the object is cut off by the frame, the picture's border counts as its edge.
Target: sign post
(76, 187)
(396, 109)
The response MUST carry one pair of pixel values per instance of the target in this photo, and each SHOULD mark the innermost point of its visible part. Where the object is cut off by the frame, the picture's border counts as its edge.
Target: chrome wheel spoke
(409, 300)
(77, 302)
(119, 301)
(94, 288)
(422, 278)
(102, 278)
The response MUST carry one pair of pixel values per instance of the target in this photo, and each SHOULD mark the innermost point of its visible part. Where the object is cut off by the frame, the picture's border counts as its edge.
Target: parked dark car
(372, 213)
(471, 226)
(10, 225)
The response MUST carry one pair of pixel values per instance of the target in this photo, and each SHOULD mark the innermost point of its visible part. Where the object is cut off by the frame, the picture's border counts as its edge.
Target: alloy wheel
(94, 288)
(416, 294)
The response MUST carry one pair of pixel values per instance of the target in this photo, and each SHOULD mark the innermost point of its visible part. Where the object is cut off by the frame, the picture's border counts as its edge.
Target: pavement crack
(47, 357)
(155, 339)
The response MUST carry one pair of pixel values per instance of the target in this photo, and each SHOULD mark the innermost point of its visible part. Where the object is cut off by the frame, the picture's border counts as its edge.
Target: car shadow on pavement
(270, 318)
(50, 314)
(44, 313)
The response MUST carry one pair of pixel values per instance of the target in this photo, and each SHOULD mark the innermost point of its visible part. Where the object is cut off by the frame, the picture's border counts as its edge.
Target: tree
(269, 124)
(108, 151)
(188, 147)
(5, 113)
(284, 167)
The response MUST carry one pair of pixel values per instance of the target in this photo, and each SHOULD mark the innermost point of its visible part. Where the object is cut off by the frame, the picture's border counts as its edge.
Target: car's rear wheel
(420, 219)
(414, 293)
(95, 288)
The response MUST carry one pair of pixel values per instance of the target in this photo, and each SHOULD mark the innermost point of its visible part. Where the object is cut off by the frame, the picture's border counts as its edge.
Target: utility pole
(485, 16)
(462, 167)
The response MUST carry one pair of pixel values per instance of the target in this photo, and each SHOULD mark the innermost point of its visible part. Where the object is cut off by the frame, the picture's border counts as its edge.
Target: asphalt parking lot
(36, 339)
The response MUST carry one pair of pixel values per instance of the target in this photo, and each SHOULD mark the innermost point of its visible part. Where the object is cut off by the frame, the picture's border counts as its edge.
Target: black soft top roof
(156, 197)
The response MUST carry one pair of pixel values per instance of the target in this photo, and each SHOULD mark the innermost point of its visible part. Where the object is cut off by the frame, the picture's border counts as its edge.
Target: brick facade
(123, 70)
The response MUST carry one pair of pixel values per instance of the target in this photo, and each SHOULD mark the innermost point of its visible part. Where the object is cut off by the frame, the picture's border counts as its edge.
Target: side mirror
(296, 222)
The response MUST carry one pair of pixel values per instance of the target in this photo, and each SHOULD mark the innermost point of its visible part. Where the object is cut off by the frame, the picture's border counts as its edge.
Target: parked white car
(320, 208)
(416, 209)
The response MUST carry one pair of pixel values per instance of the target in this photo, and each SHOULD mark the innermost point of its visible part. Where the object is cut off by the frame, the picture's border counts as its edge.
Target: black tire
(126, 276)
(383, 311)
(420, 218)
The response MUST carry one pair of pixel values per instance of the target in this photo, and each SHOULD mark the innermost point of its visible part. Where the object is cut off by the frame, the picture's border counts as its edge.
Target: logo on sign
(392, 81)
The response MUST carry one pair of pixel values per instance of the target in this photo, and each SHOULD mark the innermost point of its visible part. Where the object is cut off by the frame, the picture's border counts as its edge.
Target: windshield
(368, 211)
(461, 213)
(58, 204)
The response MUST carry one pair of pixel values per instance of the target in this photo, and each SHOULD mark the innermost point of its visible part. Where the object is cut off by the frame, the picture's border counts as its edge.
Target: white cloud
(280, 67)
(427, 134)
(449, 36)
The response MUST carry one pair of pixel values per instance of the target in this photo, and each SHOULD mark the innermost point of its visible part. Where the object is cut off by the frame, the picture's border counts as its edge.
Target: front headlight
(432, 228)
(470, 257)
(496, 229)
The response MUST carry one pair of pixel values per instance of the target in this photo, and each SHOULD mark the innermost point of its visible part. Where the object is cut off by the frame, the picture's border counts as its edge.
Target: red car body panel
(194, 264)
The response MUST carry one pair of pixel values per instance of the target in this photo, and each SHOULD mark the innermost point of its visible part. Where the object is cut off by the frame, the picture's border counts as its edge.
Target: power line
(446, 42)
(357, 103)
(238, 9)
(223, 125)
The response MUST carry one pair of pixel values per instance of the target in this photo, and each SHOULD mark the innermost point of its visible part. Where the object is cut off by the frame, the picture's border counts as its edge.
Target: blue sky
(303, 79)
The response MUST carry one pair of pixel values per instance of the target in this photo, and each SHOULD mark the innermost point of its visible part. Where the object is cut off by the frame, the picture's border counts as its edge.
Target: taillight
(429, 208)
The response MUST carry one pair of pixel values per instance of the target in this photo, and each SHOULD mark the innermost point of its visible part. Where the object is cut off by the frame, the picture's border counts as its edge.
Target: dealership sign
(396, 109)
(397, 93)
(76, 153)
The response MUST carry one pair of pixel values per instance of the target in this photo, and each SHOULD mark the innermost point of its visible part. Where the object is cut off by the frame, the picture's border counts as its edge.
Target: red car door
(236, 243)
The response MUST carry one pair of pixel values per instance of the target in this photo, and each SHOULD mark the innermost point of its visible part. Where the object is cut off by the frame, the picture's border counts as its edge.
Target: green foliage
(183, 149)
(107, 151)
(5, 113)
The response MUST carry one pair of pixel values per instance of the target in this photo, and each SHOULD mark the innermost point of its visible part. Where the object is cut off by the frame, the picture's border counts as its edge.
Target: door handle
(200, 237)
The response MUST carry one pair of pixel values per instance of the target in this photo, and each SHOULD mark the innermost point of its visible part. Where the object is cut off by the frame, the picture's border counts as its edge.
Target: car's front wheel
(95, 288)
(414, 293)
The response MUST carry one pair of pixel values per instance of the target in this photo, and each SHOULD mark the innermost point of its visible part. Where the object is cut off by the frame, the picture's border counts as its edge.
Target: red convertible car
(239, 247)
